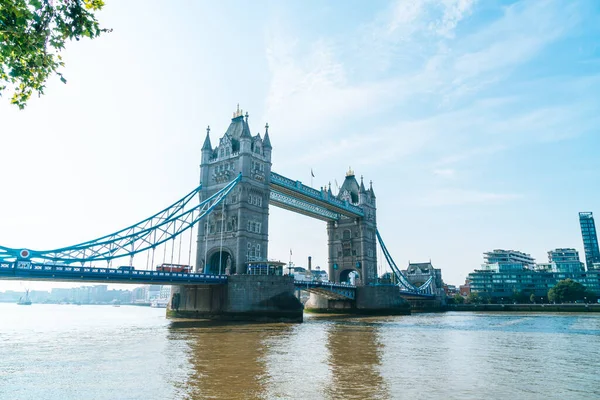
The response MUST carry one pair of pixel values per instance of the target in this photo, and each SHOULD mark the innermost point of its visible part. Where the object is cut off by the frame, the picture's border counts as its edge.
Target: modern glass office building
(590, 239)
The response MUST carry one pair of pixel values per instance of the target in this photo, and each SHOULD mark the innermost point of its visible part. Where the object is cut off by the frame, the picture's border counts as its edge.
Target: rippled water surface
(102, 352)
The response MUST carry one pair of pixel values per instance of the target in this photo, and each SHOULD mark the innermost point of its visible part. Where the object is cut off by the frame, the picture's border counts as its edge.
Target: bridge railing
(315, 194)
(65, 270)
(326, 284)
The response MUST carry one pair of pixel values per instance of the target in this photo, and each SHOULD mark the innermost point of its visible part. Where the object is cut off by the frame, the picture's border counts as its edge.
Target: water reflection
(355, 361)
(132, 353)
(226, 361)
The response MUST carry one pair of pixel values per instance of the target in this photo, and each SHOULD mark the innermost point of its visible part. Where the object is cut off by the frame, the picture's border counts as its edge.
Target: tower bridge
(230, 213)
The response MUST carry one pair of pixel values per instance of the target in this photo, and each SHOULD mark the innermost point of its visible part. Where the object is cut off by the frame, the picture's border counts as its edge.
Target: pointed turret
(266, 140)
(371, 189)
(207, 145)
(207, 149)
(245, 128)
(245, 132)
(362, 192)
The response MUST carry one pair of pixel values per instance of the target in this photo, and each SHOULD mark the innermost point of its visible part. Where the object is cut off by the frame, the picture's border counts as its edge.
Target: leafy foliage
(458, 299)
(32, 33)
(473, 298)
(567, 290)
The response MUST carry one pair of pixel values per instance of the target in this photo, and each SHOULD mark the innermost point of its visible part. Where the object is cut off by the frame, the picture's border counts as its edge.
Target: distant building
(153, 292)
(590, 239)
(419, 273)
(300, 273)
(138, 294)
(165, 292)
(565, 260)
(450, 290)
(465, 289)
(303, 274)
(507, 260)
(320, 275)
(503, 280)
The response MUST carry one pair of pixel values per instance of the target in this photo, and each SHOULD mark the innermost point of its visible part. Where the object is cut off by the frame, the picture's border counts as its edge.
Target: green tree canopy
(473, 298)
(458, 299)
(567, 290)
(32, 34)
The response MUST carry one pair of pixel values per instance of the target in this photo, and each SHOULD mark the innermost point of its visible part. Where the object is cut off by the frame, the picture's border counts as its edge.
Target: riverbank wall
(525, 307)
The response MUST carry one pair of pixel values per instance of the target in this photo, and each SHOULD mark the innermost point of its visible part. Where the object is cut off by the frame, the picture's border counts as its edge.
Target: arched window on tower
(347, 234)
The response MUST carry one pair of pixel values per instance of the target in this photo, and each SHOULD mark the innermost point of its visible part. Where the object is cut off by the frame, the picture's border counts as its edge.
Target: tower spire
(266, 140)
(207, 145)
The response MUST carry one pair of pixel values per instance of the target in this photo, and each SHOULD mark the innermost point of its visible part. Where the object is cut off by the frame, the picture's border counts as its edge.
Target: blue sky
(477, 121)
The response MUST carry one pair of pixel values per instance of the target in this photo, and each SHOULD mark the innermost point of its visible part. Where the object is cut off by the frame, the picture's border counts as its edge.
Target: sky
(477, 121)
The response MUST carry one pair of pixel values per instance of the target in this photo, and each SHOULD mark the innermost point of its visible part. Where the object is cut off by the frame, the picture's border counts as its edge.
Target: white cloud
(454, 12)
(439, 17)
(459, 197)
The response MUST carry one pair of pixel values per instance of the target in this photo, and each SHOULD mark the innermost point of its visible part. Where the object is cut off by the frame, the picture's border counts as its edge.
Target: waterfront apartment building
(565, 260)
(509, 259)
(590, 239)
(503, 279)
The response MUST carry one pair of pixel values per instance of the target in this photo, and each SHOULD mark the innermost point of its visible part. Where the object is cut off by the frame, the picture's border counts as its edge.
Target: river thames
(103, 352)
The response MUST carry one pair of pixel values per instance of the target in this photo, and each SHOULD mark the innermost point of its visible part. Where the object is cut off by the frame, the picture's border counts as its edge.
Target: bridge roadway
(31, 271)
(25, 270)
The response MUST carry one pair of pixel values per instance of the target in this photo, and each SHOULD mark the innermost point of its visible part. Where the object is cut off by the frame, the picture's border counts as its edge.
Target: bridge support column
(244, 298)
(370, 300)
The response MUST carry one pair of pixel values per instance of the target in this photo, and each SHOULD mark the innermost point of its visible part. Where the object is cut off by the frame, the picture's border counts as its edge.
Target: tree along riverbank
(578, 307)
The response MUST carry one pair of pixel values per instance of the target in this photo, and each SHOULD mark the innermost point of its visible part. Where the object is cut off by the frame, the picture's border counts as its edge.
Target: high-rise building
(590, 239)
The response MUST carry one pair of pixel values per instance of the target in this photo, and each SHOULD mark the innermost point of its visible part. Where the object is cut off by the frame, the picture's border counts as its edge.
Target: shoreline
(525, 307)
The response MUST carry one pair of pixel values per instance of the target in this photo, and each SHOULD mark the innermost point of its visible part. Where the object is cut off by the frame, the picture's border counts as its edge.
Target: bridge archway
(220, 263)
(350, 275)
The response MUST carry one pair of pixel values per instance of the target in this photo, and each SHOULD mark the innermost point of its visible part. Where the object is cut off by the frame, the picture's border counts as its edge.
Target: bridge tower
(236, 232)
(351, 241)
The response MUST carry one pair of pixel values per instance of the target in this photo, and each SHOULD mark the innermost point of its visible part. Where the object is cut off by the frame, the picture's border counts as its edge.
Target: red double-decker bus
(174, 268)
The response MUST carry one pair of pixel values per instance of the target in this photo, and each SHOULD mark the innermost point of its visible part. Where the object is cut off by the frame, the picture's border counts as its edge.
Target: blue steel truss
(295, 204)
(402, 281)
(331, 290)
(145, 235)
(323, 198)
